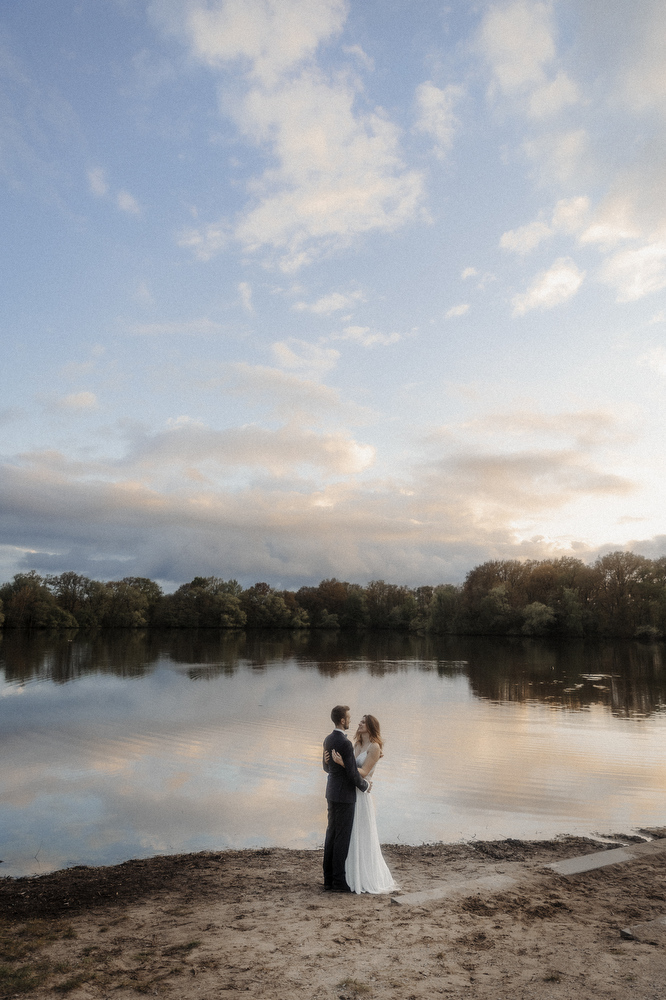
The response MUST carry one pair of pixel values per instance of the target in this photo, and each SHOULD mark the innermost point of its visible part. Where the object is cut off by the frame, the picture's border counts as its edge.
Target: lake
(128, 744)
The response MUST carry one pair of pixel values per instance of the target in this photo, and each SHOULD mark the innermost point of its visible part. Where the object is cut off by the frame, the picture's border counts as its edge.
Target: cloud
(435, 114)
(190, 328)
(331, 303)
(553, 97)
(613, 221)
(205, 243)
(339, 172)
(643, 74)
(550, 288)
(569, 216)
(190, 444)
(367, 337)
(97, 181)
(178, 502)
(79, 401)
(284, 392)
(561, 156)
(245, 290)
(517, 40)
(654, 359)
(303, 356)
(127, 203)
(457, 310)
(527, 237)
(636, 273)
(336, 170)
(469, 272)
(268, 37)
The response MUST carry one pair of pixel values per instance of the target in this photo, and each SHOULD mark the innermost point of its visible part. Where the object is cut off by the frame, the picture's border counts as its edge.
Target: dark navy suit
(341, 796)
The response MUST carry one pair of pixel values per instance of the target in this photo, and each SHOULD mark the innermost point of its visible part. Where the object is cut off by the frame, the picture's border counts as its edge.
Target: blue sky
(310, 288)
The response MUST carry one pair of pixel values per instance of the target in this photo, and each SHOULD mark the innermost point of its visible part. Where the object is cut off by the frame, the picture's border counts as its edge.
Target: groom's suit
(341, 796)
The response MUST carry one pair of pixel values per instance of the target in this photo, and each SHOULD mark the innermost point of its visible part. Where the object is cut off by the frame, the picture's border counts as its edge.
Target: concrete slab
(588, 862)
(649, 932)
(650, 847)
(487, 884)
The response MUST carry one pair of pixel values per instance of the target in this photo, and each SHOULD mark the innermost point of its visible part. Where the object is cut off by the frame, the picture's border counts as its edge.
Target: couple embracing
(353, 859)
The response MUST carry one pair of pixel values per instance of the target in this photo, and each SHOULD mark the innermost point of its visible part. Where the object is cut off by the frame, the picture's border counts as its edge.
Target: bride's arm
(370, 761)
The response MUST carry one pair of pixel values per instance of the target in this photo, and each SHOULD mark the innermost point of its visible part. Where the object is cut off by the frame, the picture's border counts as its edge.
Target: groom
(341, 797)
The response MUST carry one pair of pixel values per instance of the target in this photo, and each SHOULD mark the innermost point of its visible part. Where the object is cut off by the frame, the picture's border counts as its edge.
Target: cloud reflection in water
(175, 755)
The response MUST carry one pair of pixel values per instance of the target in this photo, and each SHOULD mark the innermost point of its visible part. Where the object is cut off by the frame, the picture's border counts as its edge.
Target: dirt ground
(258, 924)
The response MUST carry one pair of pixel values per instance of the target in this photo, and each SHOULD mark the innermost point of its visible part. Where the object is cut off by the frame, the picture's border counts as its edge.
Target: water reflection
(125, 744)
(628, 677)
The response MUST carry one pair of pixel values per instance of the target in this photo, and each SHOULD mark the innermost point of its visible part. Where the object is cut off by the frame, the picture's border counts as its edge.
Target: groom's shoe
(328, 886)
(340, 888)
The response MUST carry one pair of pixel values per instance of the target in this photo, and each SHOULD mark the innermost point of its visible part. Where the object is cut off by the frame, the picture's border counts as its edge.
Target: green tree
(537, 619)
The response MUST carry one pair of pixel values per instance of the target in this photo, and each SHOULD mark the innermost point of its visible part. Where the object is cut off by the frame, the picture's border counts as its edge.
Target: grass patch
(181, 949)
(74, 981)
(354, 986)
(553, 976)
(25, 978)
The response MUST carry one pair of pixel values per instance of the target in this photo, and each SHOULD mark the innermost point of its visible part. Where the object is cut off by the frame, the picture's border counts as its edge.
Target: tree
(537, 619)
(28, 603)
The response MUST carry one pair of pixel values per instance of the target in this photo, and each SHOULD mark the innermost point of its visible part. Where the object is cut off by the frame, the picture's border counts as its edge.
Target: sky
(295, 289)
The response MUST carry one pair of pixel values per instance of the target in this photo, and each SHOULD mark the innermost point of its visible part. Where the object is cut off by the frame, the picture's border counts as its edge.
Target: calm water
(128, 745)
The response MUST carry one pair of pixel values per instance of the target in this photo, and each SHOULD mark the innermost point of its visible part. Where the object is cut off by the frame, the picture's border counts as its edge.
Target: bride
(365, 868)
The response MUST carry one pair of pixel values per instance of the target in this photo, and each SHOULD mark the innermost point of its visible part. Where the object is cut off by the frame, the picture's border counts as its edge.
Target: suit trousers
(336, 845)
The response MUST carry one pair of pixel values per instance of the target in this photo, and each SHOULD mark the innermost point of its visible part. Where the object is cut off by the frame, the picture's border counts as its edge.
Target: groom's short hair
(339, 713)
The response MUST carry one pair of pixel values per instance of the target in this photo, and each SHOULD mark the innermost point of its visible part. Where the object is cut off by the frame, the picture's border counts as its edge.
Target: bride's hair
(373, 728)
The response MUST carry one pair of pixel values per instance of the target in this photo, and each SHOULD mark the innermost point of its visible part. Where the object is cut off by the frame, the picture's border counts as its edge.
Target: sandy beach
(257, 923)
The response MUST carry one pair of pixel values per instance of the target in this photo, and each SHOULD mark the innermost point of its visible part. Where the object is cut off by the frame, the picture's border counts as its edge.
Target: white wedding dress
(365, 868)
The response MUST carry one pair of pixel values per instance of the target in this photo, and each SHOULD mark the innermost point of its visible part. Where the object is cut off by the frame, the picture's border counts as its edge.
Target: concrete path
(521, 874)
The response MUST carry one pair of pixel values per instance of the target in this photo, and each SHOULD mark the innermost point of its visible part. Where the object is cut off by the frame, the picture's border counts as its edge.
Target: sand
(258, 924)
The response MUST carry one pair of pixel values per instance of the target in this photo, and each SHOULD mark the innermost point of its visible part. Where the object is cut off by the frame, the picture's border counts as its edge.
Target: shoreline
(257, 921)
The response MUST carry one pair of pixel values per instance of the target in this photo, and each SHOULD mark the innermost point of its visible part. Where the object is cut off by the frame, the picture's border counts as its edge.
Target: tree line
(622, 594)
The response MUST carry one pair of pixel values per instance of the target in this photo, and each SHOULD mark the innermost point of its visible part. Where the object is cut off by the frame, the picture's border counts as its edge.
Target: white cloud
(336, 170)
(517, 40)
(550, 288)
(469, 272)
(643, 75)
(331, 303)
(189, 443)
(206, 242)
(636, 273)
(245, 290)
(191, 327)
(97, 181)
(613, 221)
(435, 114)
(568, 216)
(79, 401)
(561, 156)
(270, 36)
(127, 203)
(458, 310)
(339, 172)
(303, 356)
(654, 359)
(527, 237)
(553, 97)
(366, 336)
(143, 294)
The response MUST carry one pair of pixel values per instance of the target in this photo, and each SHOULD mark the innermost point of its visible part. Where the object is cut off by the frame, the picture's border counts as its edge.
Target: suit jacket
(342, 781)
